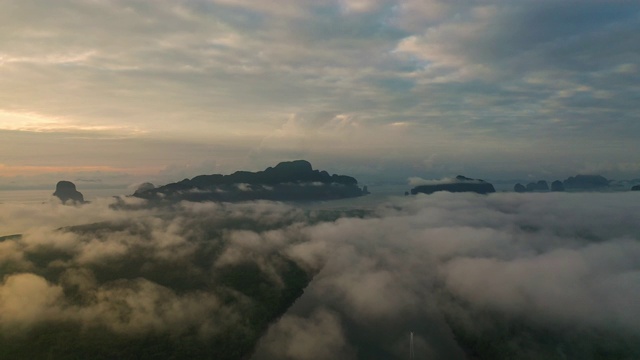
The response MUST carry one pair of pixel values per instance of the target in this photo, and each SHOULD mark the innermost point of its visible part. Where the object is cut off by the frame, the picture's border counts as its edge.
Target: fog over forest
(503, 276)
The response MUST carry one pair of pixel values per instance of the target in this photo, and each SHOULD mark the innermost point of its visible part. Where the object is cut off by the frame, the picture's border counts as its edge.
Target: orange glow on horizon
(30, 170)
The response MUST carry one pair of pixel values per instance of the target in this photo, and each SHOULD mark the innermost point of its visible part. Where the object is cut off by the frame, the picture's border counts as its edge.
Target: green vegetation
(135, 303)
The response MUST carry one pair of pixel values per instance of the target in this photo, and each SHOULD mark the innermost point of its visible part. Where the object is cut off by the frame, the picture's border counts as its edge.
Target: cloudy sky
(126, 90)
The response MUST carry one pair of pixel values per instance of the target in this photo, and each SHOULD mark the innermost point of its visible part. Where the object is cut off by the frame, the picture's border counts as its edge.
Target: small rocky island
(459, 184)
(287, 181)
(557, 185)
(573, 183)
(586, 182)
(67, 193)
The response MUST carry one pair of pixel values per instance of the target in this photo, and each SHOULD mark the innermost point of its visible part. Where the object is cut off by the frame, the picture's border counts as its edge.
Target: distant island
(586, 182)
(575, 183)
(67, 193)
(459, 184)
(287, 181)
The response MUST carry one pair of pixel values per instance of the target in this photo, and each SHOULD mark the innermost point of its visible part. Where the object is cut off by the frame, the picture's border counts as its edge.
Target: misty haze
(319, 179)
(548, 275)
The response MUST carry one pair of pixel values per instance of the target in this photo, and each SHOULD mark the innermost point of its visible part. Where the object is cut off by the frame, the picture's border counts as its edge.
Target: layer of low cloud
(417, 181)
(454, 269)
(173, 276)
(461, 262)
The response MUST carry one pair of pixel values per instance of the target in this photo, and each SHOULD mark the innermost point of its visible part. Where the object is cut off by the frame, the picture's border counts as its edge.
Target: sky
(116, 92)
